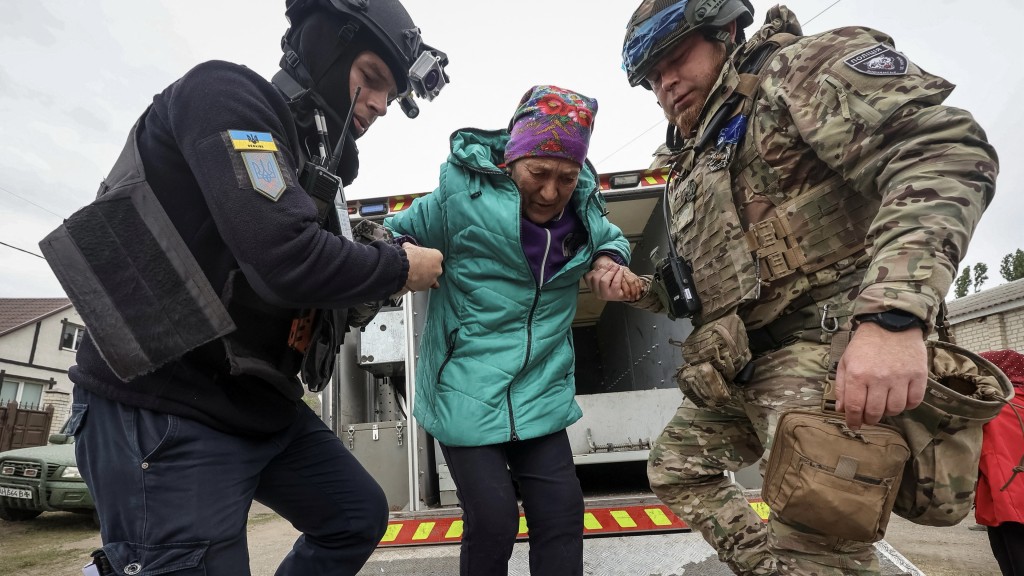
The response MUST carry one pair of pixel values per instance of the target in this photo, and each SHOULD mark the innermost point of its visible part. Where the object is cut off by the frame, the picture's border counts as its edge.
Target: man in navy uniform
(212, 270)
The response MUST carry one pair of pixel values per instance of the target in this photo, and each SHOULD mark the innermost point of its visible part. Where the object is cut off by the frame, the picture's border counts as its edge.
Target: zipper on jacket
(526, 360)
(448, 354)
(544, 261)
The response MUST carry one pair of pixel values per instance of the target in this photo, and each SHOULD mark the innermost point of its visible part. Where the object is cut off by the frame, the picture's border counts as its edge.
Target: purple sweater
(549, 246)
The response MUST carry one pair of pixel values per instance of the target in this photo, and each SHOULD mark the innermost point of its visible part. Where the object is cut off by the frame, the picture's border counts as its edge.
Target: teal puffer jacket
(496, 359)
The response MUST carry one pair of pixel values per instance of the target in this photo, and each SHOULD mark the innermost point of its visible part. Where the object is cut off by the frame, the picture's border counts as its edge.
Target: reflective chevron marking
(641, 518)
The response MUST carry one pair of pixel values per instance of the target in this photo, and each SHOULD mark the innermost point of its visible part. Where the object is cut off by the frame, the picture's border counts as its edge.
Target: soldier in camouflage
(817, 185)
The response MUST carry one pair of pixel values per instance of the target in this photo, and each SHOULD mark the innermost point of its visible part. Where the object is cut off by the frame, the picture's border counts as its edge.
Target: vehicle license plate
(15, 493)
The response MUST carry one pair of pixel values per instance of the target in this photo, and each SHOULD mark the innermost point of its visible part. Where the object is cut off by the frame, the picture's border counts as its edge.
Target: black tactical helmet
(657, 25)
(417, 67)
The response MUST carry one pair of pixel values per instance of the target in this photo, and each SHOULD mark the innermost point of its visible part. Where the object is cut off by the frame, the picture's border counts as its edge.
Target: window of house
(72, 337)
(27, 394)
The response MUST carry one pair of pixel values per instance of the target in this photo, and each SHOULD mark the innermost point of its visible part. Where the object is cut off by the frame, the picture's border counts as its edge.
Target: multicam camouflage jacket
(852, 185)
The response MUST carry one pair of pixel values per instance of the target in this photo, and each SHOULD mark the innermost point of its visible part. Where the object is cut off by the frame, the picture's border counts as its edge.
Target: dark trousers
(1007, 542)
(173, 495)
(485, 481)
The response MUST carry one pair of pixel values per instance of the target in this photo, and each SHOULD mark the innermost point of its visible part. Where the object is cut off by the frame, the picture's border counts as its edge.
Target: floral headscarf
(551, 122)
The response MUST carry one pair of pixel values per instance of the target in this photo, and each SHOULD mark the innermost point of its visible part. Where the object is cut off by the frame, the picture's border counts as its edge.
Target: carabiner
(829, 324)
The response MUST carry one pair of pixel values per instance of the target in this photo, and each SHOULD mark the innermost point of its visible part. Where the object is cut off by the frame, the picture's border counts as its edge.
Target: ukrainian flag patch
(249, 140)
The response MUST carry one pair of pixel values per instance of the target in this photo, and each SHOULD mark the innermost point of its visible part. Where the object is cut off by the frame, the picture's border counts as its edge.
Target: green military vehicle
(43, 479)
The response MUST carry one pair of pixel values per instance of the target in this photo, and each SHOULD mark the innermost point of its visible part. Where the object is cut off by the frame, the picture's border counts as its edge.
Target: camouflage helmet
(657, 25)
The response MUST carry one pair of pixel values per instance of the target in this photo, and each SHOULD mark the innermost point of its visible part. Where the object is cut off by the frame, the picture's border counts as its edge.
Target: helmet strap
(718, 35)
(345, 36)
(722, 35)
(288, 86)
(673, 139)
(293, 66)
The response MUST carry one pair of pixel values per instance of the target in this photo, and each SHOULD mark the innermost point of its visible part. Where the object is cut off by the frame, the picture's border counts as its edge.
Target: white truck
(625, 384)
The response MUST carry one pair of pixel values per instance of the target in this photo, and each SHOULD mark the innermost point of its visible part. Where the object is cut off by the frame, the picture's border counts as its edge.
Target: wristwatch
(892, 320)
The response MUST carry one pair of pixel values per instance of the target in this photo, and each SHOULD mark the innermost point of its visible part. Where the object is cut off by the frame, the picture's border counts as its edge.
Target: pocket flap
(76, 419)
(142, 560)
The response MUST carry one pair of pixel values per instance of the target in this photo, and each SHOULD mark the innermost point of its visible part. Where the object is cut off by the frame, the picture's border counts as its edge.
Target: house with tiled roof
(992, 319)
(38, 341)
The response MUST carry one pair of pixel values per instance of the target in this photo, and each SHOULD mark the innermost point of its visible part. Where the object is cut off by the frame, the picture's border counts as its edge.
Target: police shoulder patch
(264, 173)
(879, 60)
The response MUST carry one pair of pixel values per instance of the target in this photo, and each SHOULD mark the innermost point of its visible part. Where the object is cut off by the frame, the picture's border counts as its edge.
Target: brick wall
(61, 402)
(994, 332)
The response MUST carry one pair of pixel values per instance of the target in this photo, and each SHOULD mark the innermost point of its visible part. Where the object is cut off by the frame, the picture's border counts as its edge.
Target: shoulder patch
(249, 140)
(264, 173)
(880, 60)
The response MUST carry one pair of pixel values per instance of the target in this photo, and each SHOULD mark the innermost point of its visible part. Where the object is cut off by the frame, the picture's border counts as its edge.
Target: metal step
(628, 536)
(634, 555)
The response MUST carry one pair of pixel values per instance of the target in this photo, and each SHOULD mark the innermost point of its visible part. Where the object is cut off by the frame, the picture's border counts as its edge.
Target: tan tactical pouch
(714, 353)
(944, 434)
(834, 480)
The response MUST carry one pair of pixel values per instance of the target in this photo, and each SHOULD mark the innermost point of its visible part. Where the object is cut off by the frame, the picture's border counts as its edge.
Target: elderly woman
(520, 220)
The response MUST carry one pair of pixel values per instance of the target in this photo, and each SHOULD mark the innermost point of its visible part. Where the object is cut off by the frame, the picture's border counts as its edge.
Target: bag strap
(1019, 468)
(942, 325)
(840, 339)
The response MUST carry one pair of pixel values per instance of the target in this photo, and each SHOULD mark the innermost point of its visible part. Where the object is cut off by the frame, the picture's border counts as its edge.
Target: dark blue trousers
(485, 481)
(173, 495)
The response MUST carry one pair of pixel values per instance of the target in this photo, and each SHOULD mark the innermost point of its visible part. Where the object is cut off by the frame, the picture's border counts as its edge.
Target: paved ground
(57, 544)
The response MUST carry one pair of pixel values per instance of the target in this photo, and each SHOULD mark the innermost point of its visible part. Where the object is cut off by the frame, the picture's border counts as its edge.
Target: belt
(802, 322)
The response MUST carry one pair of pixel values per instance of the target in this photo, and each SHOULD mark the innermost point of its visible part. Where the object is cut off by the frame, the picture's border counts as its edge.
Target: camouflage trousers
(688, 464)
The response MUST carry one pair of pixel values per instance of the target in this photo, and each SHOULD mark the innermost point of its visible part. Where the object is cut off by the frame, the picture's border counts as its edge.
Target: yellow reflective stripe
(423, 532)
(761, 508)
(522, 524)
(248, 145)
(590, 522)
(391, 533)
(455, 530)
(658, 517)
(651, 180)
(623, 518)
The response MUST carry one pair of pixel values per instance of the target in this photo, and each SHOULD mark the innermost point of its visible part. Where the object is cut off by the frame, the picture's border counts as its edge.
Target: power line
(822, 12)
(32, 203)
(619, 149)
(21, 250)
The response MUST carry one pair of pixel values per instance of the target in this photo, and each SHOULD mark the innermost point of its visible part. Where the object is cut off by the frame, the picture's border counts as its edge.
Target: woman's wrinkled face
(370, 72)
(545, 184)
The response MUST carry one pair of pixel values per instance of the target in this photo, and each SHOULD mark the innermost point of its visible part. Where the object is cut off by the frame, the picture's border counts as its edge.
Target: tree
(980, 275)
(963, 282)
(1012, 266)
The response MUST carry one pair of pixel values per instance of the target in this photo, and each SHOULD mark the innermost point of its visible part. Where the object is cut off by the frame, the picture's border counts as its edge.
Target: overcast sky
(76, 74)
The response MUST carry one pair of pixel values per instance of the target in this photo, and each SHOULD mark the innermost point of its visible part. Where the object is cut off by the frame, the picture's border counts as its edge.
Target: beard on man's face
(686, 119)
